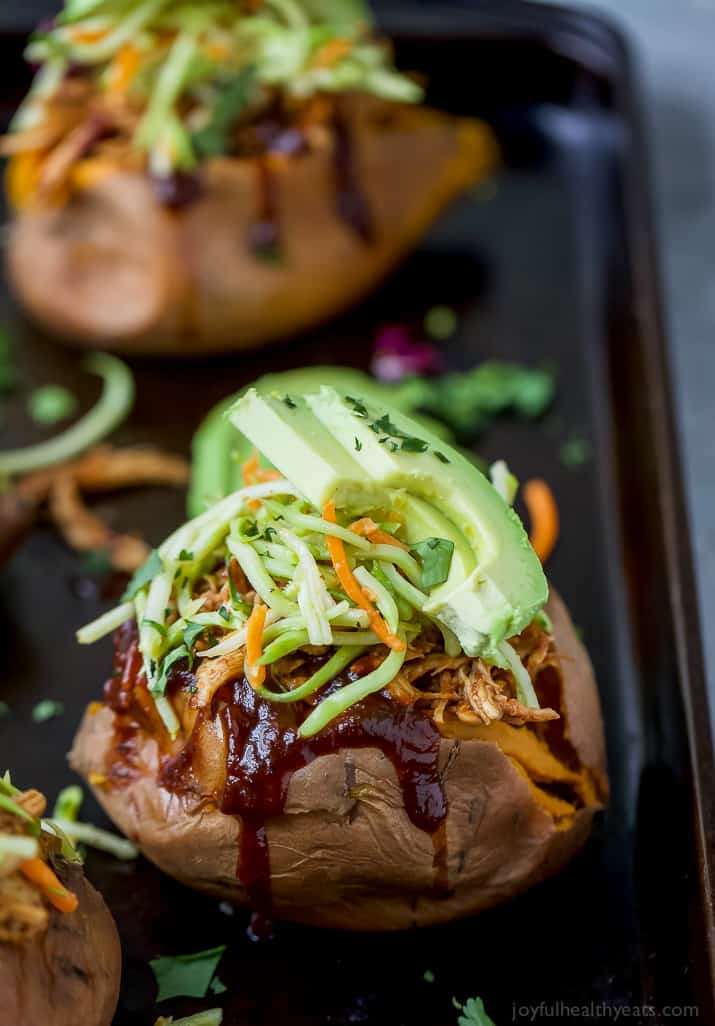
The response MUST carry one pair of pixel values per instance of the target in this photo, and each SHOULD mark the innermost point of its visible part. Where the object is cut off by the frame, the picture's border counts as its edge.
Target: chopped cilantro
(224, 614)
(358, 444)
(468, 401)
(412, 444)
(359, 408)
(213, 139)
(440, 322)
(159, 685)
(191, 632)
(575, 452)
(441, 457)
(47, 709)
(185, 556)
(473, 1013)
(269, 532)
(186, 975)
(51, 404)
(289, 402)
(435, 554)
(144, 575)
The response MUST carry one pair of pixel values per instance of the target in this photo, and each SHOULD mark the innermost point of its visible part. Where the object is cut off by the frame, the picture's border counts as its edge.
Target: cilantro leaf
(50, 404)
(186, 975)
(192, 631)
(474, 1014)
(185, 556)
(159, 685)
(144, 575)
(213, 140)
(46, 710)
(435, 554)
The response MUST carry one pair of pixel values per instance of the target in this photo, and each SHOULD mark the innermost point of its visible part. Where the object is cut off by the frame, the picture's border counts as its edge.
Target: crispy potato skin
(114, 269)
(344, 854)
(70, 975)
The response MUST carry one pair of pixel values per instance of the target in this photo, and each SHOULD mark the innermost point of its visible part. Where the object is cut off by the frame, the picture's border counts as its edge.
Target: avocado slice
(218, 450)
(363, 454)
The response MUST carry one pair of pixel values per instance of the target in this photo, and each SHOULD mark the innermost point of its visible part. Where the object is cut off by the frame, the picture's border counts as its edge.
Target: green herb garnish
(473, 1013)
(358, 444)
(144, 575)
(289, 402)
(185, 556)
(51, 404)
(47, 709)
(176, 654)
(435, 554)
(359, 408)
(186, 975)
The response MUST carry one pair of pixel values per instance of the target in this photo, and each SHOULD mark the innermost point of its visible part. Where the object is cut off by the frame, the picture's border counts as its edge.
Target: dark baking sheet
(553, 262)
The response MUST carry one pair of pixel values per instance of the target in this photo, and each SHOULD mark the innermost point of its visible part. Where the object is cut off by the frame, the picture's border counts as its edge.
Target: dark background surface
(539, 268)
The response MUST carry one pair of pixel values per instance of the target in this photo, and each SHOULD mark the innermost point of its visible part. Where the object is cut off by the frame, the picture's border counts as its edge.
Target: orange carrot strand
(39, 873)
(255, 673)
(367, 528)
(352, 588)
(544, 516)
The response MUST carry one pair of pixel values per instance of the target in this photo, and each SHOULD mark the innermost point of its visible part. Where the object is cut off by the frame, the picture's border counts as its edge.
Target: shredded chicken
(102, 469)
(467, 687)
(23, 913)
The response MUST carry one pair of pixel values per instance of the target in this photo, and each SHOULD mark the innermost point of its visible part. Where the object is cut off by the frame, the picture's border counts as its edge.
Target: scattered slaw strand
(544, 516)
(339, 701)
(337, 662)
(352, 587)
(112, 407)
(524, 688)
(18, 846)
(95, 837)
(105, 624)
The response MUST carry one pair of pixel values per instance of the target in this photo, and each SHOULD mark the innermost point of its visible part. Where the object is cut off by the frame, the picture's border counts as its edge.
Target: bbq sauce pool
(264, 750)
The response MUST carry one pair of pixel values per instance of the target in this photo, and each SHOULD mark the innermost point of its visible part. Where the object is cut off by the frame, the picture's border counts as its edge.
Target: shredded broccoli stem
(111, 409)
(330, 669)
(337, 703)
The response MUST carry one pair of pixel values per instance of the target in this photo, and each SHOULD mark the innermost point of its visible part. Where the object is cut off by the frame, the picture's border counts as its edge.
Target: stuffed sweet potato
(222, 180)
(340, 704)
(60, 958)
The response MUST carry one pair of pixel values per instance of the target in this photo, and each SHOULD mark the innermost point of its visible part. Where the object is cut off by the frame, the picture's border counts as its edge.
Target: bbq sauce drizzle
(264, 751)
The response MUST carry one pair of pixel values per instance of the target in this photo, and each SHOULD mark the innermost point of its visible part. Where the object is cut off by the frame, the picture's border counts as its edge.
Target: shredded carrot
(253, 473)
(544, 516)
(80, 35)
(369, 529)
(249, 468)
(351, 586)
(331, 53)
(123, 69)
(254, 645)
(39, 873)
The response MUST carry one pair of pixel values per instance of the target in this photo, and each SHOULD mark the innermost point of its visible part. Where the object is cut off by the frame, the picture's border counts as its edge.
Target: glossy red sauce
(264, 750)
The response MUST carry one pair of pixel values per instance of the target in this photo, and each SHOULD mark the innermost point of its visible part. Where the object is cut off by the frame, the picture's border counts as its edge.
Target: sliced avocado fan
(218, 450)
(365, 455)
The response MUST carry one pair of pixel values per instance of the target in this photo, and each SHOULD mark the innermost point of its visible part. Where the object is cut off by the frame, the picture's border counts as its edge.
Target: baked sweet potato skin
(114, 269)
(68, 975)
(345, 854)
